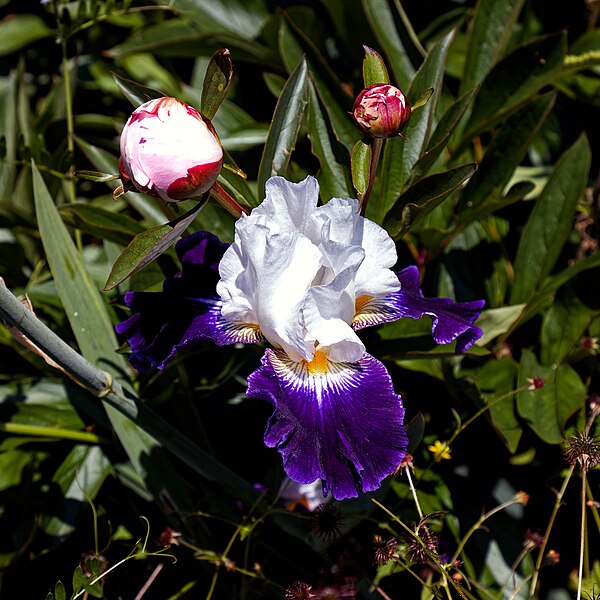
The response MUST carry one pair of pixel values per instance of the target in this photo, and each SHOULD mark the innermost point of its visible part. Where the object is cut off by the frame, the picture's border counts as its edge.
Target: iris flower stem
(375, 154)
(101, 385)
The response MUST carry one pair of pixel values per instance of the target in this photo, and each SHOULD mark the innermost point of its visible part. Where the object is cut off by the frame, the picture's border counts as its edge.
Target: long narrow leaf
(333, 176)
(381, 18)
(285, 126)
(515, 80)
(551, 221)
(490, 33)
(419, 200)
(149, 245)
(93, 330)
(505, 153)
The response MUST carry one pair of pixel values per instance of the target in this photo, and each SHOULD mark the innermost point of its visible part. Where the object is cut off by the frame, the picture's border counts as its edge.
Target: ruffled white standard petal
(288, 206)
(264, 279)
(374, 277)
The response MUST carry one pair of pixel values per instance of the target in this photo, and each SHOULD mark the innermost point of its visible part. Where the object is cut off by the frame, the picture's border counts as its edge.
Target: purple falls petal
(450, 320)
(344, 425)
(186, 311)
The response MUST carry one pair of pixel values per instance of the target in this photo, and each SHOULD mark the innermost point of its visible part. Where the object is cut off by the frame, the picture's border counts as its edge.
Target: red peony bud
(169, 150)
(381, 110)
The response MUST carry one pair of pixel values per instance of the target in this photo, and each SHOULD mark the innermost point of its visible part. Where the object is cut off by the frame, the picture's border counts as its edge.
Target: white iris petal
(296, 271)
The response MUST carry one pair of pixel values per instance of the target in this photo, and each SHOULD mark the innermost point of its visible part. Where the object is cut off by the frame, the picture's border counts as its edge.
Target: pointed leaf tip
(217, 80)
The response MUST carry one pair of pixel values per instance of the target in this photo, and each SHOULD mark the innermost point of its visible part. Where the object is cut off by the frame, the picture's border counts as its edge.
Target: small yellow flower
(440, 451)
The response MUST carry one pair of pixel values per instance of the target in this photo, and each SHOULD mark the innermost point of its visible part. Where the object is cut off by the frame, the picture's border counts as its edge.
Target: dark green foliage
(493, 194)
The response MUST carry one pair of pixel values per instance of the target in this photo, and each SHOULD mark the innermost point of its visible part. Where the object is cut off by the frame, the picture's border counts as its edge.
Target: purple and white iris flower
(303, 278)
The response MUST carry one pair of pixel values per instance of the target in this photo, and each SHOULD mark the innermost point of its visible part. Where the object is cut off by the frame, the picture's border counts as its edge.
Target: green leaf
(442, 133)
(515, 80)
(149, 245)
(374, 69)
(333, 176)
(243, 17)
(423, 99)
(100, 222)
(516, 193)
(79, 479)
(382, 22)
(490, 33)
(285, 126)
(93, 330)
(551, 221)
(8, 135)
(496, 321)
(430, 75)
(59, 591)
(562, 327)
(547, 409)
(420, 199)
(20, 30)
(134, 92)
(555, 282)
(79, 579)
(505, 152)
(293, 46)
(361, 163)
(496, 379)
(12, 464)
(216, 82)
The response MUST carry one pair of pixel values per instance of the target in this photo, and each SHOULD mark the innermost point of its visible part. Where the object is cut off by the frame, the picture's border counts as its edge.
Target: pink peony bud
(381, 110)
(169, 150)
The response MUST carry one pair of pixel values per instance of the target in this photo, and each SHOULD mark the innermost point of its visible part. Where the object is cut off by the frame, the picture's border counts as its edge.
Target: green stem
(557, 505)
(582, 532)
(479, 523)
(414, 491)
(53, 432)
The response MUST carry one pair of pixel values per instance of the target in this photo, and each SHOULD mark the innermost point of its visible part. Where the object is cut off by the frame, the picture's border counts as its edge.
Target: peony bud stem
(375, 154)
(226, 201)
